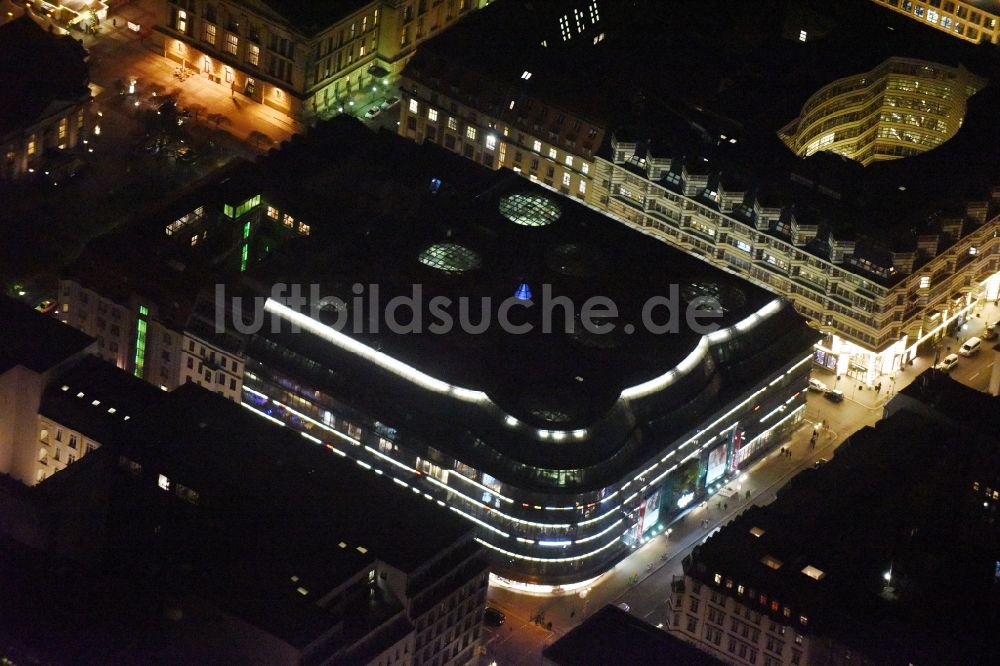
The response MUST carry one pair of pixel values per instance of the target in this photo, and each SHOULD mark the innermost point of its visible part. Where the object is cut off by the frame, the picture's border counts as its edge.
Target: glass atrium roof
(450, 258)
(530, 210)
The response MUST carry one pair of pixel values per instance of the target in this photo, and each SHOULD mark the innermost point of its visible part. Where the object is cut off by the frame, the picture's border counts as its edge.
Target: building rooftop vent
(814, 573)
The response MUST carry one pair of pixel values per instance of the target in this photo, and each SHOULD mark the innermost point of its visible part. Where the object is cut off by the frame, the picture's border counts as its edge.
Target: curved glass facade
(902, 108)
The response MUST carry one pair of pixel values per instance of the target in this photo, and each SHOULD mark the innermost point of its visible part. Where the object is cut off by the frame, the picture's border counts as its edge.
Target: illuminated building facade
(303, 59)
(972, 20)
(45, 112)
(709, 176)
(902, 108)
(565, 449)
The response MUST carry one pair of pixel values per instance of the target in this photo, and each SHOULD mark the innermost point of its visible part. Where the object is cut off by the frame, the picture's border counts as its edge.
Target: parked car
(971, 347)
(624, 606)
(833, 395)
(949, 363)
(991, 334)
(817, 385)
(373, 111)
(819, 463)
(389, 102)
(493, 617)
(46, 306)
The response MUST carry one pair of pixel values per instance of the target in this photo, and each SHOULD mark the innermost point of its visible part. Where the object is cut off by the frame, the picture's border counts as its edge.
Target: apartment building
(59, 402)
(972, 20)
(838, 569)
(46, 109)
(303, 59)
(144, 334)
(883, 259)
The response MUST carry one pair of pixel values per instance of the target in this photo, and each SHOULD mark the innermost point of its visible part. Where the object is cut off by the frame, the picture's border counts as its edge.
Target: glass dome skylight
(450, 258)
(530, 210)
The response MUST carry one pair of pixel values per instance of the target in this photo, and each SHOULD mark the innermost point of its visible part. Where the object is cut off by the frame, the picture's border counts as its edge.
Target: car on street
(820, 462)
(389, 102)
(46, 306)
(492, 617)
(817, 385)
(624, 606)
(186, 155)
(971, 347)
(991, 333)
(833, 395)
(373, 111)
(948, 364)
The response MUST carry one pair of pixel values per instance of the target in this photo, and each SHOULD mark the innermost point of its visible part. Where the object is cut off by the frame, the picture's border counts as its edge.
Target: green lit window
(228, 210)
(247, 206)
(246, 231)
(450, 258)
(140, 341)
(243, 259)
(530, 210)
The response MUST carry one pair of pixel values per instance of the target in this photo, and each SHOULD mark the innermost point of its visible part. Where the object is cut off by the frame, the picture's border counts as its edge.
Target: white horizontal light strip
(479, 522)
(601, 533)
(691, 360)
(496, 511)
(530, 558)
(487, 489)
(266, 416)
(381, 359)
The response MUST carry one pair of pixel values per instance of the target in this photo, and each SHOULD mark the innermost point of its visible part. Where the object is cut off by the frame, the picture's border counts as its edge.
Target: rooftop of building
(471, 236)
(313, 16)
(37, 69)
(34, 340)
(903, 498)
(279, 522)
(675, 81)
(95, 397)
(955, 401)
(613, 636)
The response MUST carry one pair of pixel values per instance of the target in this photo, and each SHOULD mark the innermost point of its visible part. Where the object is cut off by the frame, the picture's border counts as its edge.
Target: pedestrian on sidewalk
(725, 507)
(748, 494)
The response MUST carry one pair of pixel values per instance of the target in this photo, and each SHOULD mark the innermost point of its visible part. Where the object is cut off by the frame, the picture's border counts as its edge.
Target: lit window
(925, 281)
(585, 168)
(537, 146)
(803, 35)
(566, 179)
(209, 33)
(453, 123)
(31, 145)
(253, 55)
(229, 74)
(272, 212)
(63, 126)
(414, 106)
(718, 579)
(432, 115)
(232, 41)
(278, 93)
(181, 21)
(289, 221)
(470, 132)
(583, 187)
(491, 141)
(163, 482)
(303, 229)
(526, 75)
(552, 153)
(569, 160)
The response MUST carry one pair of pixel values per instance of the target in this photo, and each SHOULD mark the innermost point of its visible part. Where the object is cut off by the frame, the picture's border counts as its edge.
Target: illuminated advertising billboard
(650, 513)
(716, 464)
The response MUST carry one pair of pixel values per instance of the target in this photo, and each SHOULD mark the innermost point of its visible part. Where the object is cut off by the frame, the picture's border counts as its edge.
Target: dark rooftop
(120, 397)
(457, 242)
(953, 401)
(275, 512)
(906, 496)
(37, 69)
(35, 340)
(313, 16)
(613, 636)
(675, 80)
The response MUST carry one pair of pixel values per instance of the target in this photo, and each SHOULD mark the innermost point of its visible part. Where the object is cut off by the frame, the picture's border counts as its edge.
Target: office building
(886, 554)
(557, 447)
(45, 110)
(305, 59)
(750, 164)
(972, 20)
